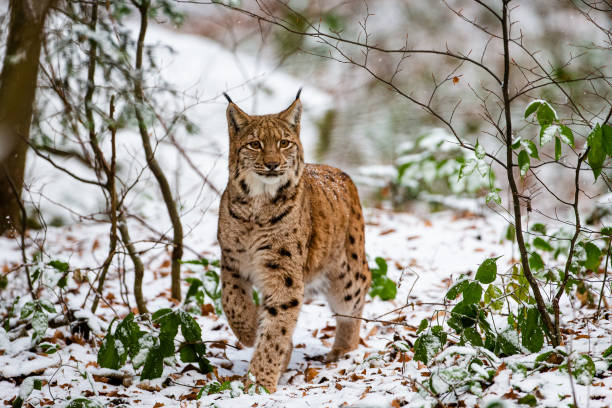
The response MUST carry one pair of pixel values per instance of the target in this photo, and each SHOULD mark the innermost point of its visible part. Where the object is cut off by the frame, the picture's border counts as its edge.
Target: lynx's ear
(236, 118)
(293, 113)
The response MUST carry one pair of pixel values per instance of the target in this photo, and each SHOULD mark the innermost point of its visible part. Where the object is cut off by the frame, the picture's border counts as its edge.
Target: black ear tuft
(298, 94)
(230, 99)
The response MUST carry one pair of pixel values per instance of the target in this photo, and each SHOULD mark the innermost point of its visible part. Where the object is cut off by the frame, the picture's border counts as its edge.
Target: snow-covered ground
(424, 253)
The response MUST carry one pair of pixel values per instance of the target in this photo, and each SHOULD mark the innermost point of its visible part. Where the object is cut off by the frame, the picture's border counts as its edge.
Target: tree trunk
(17, 89)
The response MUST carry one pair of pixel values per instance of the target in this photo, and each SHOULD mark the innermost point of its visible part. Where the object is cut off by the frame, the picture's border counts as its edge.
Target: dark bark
(17, 90)
(533, 283)
(164, 186)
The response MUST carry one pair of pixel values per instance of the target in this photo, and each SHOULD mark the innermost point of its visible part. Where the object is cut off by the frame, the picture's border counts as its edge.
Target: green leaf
(607, 352)
(59, 265)
(108, 356)
(516, 143)
(511, 232)
(539, 227)
(464, 314)
(472, 293)
(168, 321)
(523, 162)
(472, 335)
(532, 107)
(423, 325)
(491, 294)
(493, 196)
(40, 323)
(528, 399)
(532, 336)
(531, 148)
(566, 135)
(83, 403)
(535, 262)
(256, 299)
(189, 327)
(597, 152)
(583, 370)
(479, 151)
(547, 133)
(384, 288)
(426, 346)
(381, 269)
(27, 309)
(128, 333)
(487, 271)
(457, 288)
(607, 139)
(154, 364)
(545, 115)
(593, 255)
(194, 285)
(508, 341)
(558, 150)
(47, 305)
(540, 243)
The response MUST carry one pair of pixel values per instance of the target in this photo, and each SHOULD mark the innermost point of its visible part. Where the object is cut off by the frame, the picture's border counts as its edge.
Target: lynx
(286, 227)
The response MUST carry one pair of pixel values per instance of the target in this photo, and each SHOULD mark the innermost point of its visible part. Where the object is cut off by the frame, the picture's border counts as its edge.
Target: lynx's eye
(254, 145)
(284, 143)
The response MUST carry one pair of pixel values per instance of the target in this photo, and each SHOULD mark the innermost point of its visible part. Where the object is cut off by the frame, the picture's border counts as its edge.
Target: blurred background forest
(478, 133)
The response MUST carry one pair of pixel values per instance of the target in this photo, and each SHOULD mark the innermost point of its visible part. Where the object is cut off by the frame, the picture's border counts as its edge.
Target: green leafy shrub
(207, 285)
(148, 349)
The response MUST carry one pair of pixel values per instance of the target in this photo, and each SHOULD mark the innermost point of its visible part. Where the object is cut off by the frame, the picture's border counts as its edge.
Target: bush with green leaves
(149, 348)
(207, 285)
(434, 166)
(382, 286)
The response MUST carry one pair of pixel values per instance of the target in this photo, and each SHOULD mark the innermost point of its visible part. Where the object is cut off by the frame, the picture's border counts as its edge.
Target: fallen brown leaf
(310, 374)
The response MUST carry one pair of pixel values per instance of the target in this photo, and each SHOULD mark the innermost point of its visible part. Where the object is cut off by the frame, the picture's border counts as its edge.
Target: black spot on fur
(341, 276)
(354, 255)
(272, 265)
(244, 187)
(280, 216)
(299, 247)
(272, 310)
(236, 275)
(284, 252)
(280, 193)
(358, 292)
(288, 281)
(264, 247)
(283, 331)
(347, 298)
(235, 286)
(352, 239)
(294, 303)
(236, 216)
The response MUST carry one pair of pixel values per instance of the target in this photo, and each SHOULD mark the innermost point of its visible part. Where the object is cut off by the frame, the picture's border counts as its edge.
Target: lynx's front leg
(237, 302)
(283, 296)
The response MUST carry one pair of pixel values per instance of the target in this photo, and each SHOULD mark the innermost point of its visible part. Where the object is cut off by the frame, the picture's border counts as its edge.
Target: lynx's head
(265, 151)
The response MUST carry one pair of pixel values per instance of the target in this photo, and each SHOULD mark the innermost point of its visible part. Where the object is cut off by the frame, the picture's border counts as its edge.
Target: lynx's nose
(272, 165)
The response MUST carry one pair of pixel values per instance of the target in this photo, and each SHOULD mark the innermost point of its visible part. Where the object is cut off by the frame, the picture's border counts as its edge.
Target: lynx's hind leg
(348, 290)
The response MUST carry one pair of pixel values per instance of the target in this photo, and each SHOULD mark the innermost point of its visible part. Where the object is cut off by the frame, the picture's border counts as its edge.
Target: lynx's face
(265, 151)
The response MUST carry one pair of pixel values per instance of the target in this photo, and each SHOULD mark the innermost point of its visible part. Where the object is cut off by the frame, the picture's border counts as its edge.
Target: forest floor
(425, 253)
